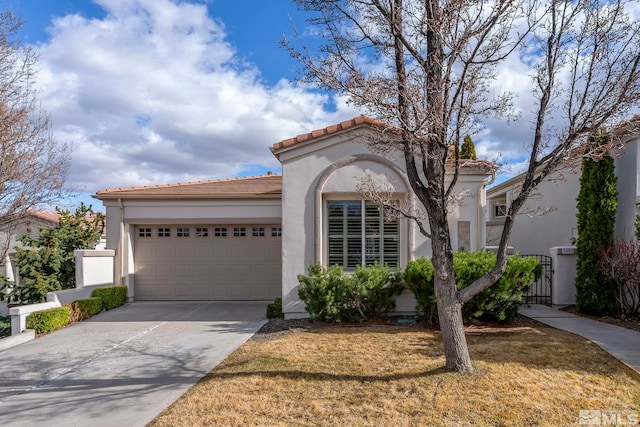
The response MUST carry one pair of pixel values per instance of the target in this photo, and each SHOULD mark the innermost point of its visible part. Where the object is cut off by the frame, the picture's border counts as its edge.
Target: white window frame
(363, 257)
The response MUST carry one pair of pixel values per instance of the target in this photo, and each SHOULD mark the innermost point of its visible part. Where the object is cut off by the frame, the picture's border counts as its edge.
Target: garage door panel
(197, 267)
(184, 271)
(183, 290)
(163, 271)
(202, 273)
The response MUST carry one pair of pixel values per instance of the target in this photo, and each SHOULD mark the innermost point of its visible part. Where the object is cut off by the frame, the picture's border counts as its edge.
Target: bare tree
(33, 166)
(426, 68)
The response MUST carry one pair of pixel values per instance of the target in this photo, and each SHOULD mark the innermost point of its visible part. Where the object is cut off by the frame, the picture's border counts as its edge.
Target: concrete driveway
(122, 367)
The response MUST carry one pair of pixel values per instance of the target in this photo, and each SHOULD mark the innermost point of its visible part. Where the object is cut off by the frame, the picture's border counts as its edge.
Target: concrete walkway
(121, 367)
(622, 343)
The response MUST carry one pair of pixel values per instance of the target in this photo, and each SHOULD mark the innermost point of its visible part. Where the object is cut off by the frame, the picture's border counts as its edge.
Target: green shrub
(46, 321)
(112, 296)
(330, 294)
(499, 302)
(274, 310)
(5, 326)
(85, 308)
(418, 276)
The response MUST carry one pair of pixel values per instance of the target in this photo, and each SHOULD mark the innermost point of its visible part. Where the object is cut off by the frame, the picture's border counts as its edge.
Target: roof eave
(116, 196)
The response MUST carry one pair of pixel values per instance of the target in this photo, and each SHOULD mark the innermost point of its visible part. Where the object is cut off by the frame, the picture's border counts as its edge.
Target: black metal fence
(540, 291)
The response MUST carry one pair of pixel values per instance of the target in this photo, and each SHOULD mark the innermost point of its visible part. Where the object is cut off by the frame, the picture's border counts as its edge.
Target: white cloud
(155, 93)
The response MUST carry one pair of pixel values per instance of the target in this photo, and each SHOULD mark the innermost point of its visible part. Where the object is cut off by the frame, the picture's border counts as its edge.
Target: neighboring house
(31, 223)
(249, 238)
(548, 218)
(10, 231)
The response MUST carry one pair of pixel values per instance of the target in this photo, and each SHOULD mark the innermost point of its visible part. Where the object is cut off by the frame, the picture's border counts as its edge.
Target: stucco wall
(536, 234)
(546, 220)
(628, 174)
(332, 168)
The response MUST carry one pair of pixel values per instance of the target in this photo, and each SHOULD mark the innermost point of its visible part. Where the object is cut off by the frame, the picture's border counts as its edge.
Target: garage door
(207, 262)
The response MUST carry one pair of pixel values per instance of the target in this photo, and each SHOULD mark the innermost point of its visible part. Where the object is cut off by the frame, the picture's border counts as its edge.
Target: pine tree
(597, 203)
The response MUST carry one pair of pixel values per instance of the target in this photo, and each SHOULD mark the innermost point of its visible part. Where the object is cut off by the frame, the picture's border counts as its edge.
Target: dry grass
(392, 376)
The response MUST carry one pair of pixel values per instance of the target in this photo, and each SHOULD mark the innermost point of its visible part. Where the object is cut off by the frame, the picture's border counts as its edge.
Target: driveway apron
(121, 367)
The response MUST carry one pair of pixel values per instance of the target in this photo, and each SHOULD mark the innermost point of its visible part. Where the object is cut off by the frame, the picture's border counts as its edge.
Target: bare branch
(33, 165)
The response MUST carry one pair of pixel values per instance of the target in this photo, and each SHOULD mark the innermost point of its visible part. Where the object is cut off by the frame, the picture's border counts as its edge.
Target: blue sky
(156, 91)
(162, 91)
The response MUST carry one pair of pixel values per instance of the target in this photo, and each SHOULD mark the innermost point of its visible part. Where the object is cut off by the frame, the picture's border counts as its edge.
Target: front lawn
(378, 375)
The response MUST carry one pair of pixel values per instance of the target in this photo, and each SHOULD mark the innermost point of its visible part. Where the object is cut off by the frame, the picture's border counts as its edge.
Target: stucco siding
(546, 220)
(332, 169)
(628, 183)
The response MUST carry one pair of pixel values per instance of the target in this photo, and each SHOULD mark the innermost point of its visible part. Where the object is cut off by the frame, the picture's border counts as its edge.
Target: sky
(164, 91)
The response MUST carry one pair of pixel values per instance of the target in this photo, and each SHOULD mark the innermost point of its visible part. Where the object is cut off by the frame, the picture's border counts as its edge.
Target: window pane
(346, 236)
(382, 237)
(344, 233)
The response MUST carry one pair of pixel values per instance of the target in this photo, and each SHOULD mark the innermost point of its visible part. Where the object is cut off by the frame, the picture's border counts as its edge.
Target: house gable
(322, 171)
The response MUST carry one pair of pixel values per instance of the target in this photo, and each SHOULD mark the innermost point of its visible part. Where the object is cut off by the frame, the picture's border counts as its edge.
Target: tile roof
(365, 120)
(52, 217)
(21, 217)
(261, 187)
(347, 124)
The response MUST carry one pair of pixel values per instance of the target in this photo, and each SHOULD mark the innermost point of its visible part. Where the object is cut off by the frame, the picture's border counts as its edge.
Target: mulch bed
(279, 327)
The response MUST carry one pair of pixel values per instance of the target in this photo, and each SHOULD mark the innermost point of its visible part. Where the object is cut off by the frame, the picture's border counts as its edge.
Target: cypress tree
(467, 149)
(597, 203)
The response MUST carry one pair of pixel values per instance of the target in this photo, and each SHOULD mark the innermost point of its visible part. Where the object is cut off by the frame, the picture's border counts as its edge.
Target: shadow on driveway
(122, 367)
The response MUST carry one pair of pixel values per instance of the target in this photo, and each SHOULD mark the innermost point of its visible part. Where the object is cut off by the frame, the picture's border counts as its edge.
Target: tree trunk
(449, 307)
(453, 339)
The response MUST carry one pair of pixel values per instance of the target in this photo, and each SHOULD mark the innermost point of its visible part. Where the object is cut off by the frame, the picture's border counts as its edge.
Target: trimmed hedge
(330, 294)
(499, 302)
(85, 308)
(49, 320)
(112, 296)
(274, 309)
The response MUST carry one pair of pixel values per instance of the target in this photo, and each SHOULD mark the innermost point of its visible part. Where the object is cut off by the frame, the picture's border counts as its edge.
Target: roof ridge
(328, 130)
(186, 183)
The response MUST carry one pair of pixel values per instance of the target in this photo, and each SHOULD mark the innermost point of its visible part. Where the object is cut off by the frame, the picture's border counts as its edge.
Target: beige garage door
(207, 262)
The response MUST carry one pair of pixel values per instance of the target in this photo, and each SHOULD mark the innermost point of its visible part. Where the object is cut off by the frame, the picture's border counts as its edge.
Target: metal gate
(540, 290)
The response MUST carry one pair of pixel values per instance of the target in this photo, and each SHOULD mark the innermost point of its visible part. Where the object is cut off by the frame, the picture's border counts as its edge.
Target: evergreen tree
(468, 150)
(597, 203)
(47, 262)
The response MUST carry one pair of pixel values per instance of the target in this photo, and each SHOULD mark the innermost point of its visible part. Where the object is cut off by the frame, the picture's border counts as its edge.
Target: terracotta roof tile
(347, 124)
(267, 186)
(52, 217)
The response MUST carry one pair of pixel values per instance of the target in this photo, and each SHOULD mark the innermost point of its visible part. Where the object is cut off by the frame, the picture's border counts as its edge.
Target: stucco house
(548, 218)
(249, 238)
(11, 230)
